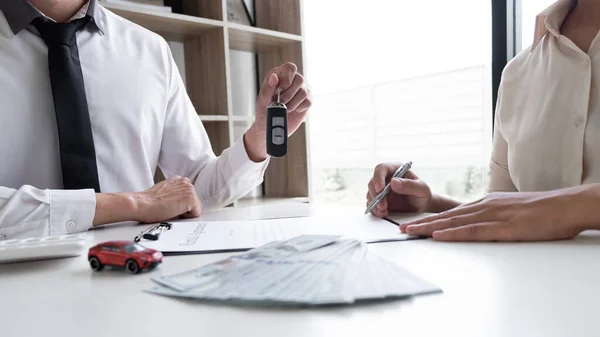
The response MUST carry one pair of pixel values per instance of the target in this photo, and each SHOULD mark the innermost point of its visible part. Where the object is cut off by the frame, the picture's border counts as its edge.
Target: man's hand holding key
(294, 94)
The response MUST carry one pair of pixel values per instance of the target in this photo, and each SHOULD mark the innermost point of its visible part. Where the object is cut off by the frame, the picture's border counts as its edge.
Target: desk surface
(522, 289)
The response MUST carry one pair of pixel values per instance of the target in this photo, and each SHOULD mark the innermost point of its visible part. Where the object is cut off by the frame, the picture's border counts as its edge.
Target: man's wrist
(255, 143)
(117, 207)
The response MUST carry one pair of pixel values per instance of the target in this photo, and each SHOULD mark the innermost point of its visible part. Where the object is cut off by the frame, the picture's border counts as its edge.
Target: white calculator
(50, 247)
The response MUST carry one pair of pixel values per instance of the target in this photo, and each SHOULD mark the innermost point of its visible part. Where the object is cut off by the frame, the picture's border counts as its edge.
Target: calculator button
(70, 225)
(2, 237)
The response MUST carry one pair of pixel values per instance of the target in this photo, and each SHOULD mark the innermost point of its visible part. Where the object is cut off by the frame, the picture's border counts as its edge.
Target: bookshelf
(208, 38)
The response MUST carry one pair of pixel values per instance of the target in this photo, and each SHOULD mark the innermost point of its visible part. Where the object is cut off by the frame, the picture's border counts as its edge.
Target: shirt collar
(96, 14)
(20, 13)
(550, 20)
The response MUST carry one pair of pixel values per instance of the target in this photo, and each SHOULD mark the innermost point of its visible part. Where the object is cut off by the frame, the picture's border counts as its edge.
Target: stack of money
(305, 270)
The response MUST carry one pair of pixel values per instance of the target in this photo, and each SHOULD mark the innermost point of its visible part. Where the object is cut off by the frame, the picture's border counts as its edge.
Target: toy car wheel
(132, 267)
(95, 264)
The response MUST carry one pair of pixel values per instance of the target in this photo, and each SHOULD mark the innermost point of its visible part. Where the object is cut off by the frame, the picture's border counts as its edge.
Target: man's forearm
(169, 199)
(115, 207)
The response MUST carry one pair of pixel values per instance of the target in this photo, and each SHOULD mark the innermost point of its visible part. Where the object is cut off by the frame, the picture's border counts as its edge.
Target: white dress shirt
(547, 131)
(141, 116)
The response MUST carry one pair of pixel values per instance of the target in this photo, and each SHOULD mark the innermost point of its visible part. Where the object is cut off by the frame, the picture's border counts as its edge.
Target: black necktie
(77, 153)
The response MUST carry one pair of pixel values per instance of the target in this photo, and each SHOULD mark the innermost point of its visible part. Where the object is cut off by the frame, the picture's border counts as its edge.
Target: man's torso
(126, 83)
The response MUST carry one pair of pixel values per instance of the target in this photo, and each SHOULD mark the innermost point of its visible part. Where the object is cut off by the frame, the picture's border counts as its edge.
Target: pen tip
(366, 212)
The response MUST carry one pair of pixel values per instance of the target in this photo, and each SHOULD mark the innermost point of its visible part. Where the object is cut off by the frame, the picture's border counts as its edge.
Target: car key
(277, 128)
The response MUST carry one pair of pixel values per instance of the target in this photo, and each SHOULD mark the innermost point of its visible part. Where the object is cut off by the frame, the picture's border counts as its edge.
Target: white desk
(542, 289)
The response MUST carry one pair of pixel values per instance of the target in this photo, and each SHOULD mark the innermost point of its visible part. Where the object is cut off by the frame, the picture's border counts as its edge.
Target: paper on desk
(218, 236)
(278, 210)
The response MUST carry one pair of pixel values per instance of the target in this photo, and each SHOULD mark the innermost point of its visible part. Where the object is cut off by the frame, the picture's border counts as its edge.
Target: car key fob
(277, 128)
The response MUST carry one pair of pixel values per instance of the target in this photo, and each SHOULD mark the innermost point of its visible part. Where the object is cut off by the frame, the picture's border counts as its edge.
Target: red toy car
(125, 254)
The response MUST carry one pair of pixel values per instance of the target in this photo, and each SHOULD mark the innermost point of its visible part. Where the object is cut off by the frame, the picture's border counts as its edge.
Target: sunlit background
(401, 81)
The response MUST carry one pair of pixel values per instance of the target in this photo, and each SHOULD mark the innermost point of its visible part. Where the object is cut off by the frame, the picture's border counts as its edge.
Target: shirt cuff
(240, 162)
(71, 211)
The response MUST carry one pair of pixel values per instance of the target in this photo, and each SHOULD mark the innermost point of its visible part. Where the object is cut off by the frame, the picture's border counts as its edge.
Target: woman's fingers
(383, 205)
(485, 231)
(461, 210)
(427, 229)
(372, 193)
(414, 188)
(371, 187)
(381, 209)
(386, 170)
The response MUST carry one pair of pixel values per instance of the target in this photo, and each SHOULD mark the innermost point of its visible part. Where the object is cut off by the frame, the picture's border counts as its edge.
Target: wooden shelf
(170, 25)
(242, 118)
(177, 26)
(218, 133)
(256, 40)
(214, 118)
(208, 41)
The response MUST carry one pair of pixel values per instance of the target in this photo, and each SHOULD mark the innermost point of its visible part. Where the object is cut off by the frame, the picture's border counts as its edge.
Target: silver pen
(400, 172)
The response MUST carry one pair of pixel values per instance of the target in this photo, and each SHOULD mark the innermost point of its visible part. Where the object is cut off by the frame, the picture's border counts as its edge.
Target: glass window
(399, 81)
(133, 247)
(529, 11)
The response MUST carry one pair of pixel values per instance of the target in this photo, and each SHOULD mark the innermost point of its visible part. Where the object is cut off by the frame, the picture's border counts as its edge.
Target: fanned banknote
(306, 270)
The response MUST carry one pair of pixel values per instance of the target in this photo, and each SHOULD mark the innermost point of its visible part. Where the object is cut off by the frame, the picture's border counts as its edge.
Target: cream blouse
(547, 130)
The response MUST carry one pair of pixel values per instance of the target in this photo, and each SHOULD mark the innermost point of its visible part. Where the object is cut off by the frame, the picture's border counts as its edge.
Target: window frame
(506, 41)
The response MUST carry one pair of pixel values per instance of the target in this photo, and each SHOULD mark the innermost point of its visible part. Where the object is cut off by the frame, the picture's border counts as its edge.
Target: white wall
(244, 92)
(243, 82)
(178, 55)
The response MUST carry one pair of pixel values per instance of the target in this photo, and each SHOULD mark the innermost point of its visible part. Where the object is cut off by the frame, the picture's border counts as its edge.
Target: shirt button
(70, 225)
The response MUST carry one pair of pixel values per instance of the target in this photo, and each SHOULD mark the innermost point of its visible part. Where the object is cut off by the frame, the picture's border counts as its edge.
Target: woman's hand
(408, 194)
(534, 216)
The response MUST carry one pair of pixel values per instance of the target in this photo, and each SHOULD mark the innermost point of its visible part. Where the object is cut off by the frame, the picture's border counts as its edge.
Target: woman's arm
(584, 205)
(521, 216)
(508, 215)
(500, 180)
